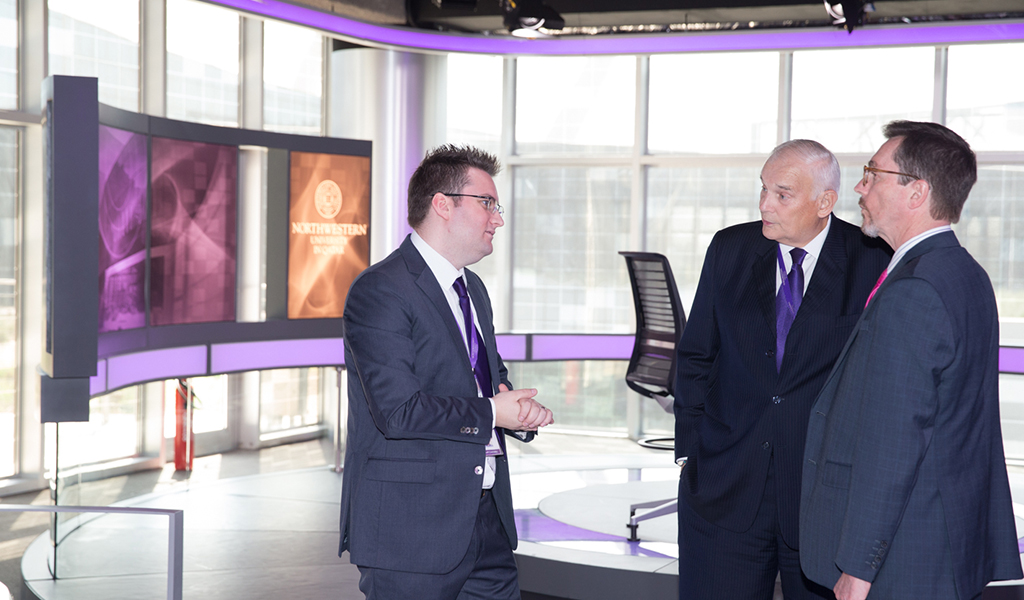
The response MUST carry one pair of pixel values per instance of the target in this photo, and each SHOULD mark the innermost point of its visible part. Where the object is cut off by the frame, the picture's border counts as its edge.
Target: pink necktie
(881, 278)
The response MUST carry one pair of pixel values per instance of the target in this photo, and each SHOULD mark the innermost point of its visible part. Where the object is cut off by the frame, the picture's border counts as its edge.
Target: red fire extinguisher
(184, 437)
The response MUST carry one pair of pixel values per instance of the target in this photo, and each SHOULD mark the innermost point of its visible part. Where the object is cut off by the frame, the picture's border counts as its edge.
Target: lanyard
(788, 293)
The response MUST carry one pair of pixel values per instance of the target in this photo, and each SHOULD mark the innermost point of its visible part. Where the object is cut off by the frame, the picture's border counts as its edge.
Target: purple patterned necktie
(787, 302)
(477, 352)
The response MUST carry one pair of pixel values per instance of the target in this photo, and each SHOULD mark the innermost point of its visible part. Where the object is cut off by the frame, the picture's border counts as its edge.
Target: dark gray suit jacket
(904, 475)
(417, 431)
(735, 413)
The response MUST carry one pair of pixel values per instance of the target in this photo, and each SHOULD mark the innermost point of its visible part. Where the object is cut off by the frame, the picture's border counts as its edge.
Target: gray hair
(823, 164)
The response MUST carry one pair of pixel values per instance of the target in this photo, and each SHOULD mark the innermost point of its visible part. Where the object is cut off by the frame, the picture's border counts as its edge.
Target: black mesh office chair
(659, 323)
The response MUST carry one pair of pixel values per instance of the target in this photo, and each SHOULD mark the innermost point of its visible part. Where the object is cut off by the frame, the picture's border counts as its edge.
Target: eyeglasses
(868, 169)
(489, 203)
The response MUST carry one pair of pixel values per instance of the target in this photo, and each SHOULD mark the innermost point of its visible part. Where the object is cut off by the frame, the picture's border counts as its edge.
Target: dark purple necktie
(787, 302)
(477, 352)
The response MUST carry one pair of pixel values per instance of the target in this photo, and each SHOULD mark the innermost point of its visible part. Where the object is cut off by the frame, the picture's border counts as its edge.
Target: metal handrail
(175, 536)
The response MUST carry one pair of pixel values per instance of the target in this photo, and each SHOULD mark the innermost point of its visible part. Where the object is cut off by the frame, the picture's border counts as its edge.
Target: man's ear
(826, 202)
(920, 192)
(442, 206)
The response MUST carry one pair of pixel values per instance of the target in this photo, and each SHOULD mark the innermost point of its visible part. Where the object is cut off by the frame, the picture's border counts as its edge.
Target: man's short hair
(935, 154)
(822, 163)
(445, 169)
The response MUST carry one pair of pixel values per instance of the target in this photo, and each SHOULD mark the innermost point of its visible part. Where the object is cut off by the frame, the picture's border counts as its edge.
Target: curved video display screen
(328, 235)
(193, 232)
(168, 218)
(123, 165)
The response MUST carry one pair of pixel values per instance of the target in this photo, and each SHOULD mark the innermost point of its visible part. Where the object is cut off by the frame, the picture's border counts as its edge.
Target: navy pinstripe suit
(735, 414)
(904, 482)
(417, 431)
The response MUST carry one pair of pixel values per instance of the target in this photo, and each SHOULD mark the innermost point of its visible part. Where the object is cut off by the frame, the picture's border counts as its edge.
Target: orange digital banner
(328, 235)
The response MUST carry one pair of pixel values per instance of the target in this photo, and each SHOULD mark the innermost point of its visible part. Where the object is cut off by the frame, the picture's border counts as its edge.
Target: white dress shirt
(445, 274)
(813, 249)
(907, 245)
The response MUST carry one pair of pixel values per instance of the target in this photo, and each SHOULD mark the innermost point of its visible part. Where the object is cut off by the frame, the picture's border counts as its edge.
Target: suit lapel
(763, 278)
(828, 275)
(428, 284)
(942, 240)
(945, 239)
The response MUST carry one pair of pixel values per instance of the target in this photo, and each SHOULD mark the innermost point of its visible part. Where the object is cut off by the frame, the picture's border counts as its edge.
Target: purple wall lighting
(192, 258)
(98, 382)
(1011, 360)
(582, 347)
(401, 37)
(154, 365)
(511, 346)
(122, 221)
(251, 356)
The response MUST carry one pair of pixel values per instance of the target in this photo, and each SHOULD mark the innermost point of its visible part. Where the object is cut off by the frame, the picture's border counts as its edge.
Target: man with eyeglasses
(776, 301)
(426, 507)
(905, 491)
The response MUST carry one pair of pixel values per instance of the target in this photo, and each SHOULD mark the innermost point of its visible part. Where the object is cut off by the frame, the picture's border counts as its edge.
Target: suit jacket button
(476, 430)
(770, 353)
(776, 399)
(766, 445)
(478, 470)
(463, 430)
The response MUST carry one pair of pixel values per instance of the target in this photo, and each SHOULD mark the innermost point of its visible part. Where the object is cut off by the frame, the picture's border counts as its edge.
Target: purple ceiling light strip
(402, 37)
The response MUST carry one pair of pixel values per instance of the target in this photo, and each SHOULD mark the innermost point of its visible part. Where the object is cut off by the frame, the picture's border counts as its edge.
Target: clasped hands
(518, 410)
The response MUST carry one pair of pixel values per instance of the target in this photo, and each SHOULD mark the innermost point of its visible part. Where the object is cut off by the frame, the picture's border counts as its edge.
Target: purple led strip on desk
(276, 354)
(400, 37)
(1011, 360)
(119, 371)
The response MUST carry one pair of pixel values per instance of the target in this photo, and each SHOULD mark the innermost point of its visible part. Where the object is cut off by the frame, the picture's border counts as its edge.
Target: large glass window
(842, 98)
(694, 109)
(98, 38)
(569, 224)
(292, 78)
(474, 101)
(289, 399)
(8, 54)
(8, 299)
(580, 104)
(687, 206)
(209, 408)
(984, 103)
(992, 228)
(1011, 414)
(111, 433)
(202, 63)
(588, 394)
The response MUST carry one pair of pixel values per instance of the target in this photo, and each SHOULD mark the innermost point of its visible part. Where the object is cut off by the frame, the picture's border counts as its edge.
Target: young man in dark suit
(775, 303)
(426, 508)
(905, 491)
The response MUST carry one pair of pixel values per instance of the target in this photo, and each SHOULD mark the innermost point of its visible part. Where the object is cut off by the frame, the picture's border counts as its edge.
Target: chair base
(658, 443)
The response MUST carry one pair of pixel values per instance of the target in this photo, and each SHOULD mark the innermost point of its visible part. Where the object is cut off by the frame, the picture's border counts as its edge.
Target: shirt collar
(812, 247)
(917, 239)
(444, 271)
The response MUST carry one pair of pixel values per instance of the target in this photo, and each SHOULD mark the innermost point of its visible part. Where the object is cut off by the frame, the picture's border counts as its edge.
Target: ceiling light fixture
(526, 18)
(849, 13)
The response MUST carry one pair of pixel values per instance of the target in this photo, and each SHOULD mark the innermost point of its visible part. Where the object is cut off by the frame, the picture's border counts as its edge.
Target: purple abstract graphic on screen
(122, 216)
(192, 272)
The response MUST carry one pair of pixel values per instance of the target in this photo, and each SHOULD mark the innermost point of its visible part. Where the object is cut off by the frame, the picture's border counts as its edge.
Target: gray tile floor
(17, 531)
